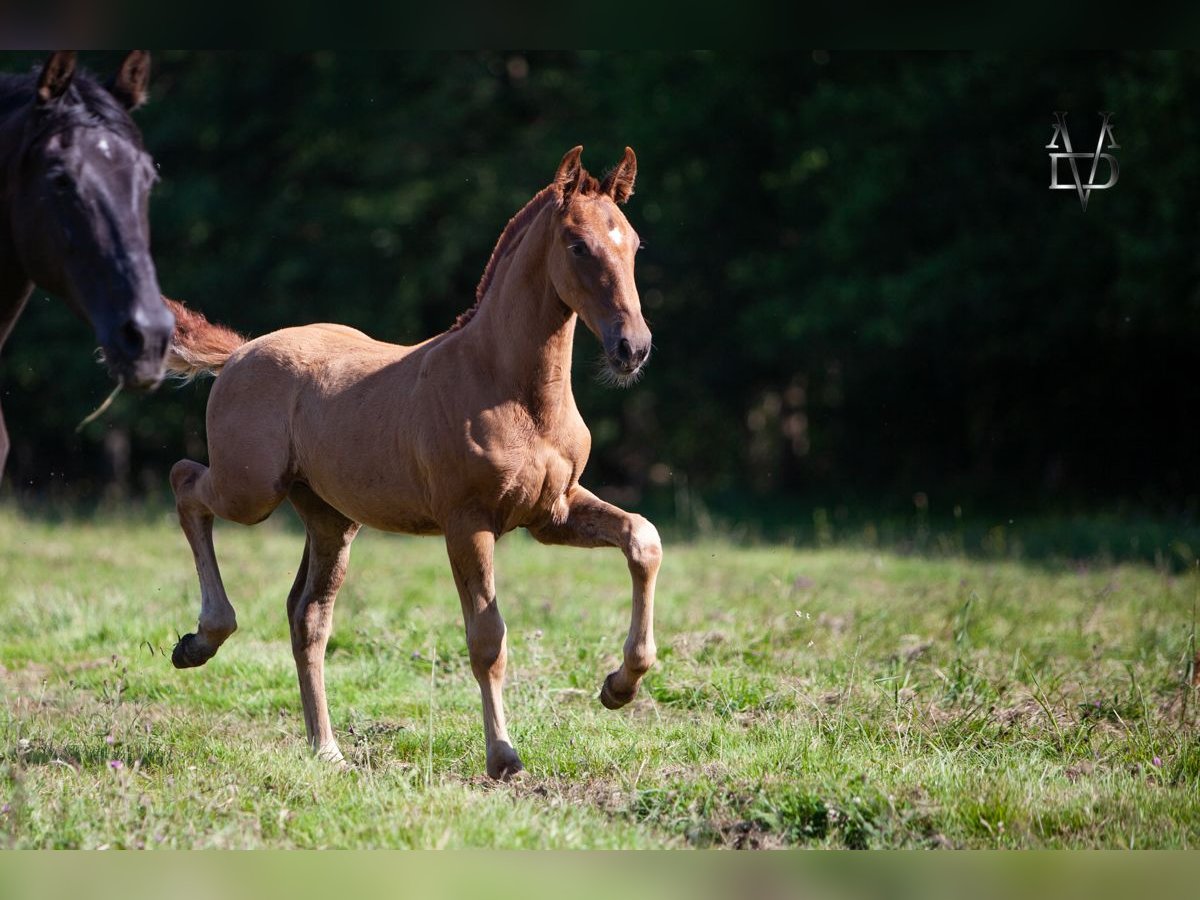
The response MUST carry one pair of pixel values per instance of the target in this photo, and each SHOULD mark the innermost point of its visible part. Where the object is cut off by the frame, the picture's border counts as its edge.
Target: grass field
(834, 697)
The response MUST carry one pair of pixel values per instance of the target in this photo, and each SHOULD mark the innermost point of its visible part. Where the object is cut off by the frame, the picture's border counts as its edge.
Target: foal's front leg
(471, 546)
(590, 522)
(328, 535)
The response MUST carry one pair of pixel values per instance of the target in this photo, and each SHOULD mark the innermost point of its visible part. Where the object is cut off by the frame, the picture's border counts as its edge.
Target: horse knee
(643, 545)
(184, 475)
(245, 500)
(640, 658)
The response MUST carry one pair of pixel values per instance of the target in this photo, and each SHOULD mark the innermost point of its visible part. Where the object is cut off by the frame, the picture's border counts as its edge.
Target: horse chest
(525, 478)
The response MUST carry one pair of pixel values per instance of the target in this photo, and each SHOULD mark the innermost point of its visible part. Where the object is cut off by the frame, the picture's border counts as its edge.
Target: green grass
(832, 697)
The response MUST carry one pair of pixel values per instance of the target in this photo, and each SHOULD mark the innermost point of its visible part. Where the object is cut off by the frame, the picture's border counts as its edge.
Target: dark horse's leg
(591, 522)
(310, 608)
(13, 298)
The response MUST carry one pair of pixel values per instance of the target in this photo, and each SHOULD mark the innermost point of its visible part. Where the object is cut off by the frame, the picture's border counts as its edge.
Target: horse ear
(619, 182)
(129, 84)
(569, 174)
(56, 76)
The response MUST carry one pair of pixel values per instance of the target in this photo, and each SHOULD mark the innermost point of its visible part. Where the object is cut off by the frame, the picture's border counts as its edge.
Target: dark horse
(74, 195)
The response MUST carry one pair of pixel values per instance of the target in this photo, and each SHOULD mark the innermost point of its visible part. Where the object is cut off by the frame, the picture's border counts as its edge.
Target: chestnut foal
(469, 435)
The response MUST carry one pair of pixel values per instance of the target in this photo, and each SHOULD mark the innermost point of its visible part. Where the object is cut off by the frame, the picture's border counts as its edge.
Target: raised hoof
(503, 764)
(189, 653)
(611, 698)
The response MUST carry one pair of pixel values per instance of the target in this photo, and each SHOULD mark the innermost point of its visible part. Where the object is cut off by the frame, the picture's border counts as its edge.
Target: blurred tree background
(860, 288)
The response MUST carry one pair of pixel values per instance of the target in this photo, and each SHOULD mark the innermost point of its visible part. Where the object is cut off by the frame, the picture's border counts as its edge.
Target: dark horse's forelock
(85, 104)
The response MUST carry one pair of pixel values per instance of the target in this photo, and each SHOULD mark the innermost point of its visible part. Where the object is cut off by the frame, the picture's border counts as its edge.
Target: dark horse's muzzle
(135, 347)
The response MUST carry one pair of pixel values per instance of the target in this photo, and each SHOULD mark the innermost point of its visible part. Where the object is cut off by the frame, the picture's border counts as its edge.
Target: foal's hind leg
(217, 618)
(591, 522)
(470, 546)
(310, 608)
(197, 502)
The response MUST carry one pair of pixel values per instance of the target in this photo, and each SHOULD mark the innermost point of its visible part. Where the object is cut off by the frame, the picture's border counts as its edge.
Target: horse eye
(61, 180)
(579, 248)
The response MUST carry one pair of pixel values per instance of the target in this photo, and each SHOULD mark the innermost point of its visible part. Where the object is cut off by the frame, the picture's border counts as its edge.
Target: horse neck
(15, 283)
(526, 330)
(13, 114)
(10, 141)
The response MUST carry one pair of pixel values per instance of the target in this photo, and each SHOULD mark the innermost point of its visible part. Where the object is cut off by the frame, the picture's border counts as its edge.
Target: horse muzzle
(135, 349)
(627, 357)
(626, 351)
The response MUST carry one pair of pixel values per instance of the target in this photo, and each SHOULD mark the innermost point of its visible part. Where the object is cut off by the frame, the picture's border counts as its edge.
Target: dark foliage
(859, 284)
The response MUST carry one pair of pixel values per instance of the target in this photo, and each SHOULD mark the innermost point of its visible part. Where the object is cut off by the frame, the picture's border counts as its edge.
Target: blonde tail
(198, 347)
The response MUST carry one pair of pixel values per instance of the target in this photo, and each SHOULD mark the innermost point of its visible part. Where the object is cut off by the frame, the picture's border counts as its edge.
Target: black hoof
(189, 653)
(611, 698)
(503, 764)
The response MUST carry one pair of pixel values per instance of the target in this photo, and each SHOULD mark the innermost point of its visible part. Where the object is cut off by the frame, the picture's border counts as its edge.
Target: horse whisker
(610, 377)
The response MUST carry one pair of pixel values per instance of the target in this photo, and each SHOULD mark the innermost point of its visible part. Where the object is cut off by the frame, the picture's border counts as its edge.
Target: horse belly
(358, 466)
(385, 503)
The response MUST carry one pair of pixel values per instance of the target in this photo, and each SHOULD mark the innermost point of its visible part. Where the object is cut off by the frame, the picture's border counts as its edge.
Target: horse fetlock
(641, 659)
(218, 632)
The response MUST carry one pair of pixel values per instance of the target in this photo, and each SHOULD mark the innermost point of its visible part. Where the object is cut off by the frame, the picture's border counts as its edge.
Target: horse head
(591, 261)
(81, 211)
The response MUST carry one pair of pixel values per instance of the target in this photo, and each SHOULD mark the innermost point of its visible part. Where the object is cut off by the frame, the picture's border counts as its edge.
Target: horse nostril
(131, 339)
(625, 351)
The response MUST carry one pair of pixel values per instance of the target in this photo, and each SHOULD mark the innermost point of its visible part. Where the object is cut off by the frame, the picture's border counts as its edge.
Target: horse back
(328, 406)
(394, 437)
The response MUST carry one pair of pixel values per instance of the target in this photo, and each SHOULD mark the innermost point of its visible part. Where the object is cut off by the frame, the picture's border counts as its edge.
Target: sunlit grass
(833, 697)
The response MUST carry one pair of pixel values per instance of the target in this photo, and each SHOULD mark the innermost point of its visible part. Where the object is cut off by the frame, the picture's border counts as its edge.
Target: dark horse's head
(79, 213)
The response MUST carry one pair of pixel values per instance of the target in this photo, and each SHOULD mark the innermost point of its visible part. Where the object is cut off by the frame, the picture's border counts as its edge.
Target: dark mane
(86, 104)
(512, 232)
